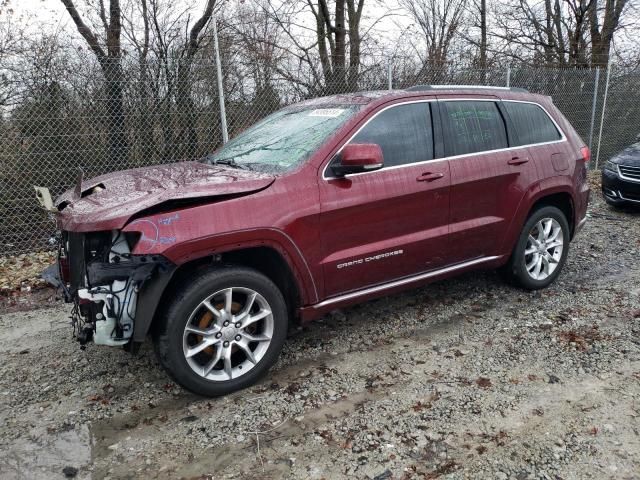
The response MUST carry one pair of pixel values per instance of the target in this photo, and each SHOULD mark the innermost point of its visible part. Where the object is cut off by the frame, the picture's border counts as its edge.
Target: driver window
(404, 133)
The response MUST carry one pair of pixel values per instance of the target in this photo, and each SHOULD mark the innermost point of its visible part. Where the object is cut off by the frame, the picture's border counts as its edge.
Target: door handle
(517, 161)
(429, 177)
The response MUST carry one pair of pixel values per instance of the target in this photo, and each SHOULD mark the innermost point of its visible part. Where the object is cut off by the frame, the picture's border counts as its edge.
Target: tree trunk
(111, 66)
(116, 126)
(601, 38)
(186, 141)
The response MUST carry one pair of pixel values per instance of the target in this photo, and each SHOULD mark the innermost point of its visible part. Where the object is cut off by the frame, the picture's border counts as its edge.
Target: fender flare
(178, 255)
(255, 237)
(529, 199)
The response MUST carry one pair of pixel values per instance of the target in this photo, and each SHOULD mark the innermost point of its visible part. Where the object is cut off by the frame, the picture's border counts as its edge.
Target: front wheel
(541, 250)
(222, 331)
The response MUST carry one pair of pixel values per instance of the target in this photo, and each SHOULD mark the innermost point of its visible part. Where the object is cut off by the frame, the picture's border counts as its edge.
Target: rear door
(390, 223)
(488, 177)
(534, 129)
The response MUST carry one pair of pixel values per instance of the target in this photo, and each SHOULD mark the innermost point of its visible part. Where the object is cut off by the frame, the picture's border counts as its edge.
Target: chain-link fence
(112, 117)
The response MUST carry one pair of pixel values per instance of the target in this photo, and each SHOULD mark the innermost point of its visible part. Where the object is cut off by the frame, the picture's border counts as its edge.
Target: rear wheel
(541, 250)
(223, 330)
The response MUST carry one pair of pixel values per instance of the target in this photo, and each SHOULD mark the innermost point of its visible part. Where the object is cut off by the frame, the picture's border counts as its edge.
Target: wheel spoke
(554, 235)
(530, 250)
(555, 244)
(228, 298)
(261, 337)
(545, 265)
(547, 228)
(533, 241)
(227, 362)
(251, 298)
(540, 228)
(255, 318)
(206, 370)
(538, 267)
(198, 331)
(247, 351)
(212, 309)
(533, 263)
(207, 342)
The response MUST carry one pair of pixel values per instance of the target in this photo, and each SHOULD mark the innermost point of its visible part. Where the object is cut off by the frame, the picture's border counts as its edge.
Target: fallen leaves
(484, 382)
(22, 272)
(581, 338)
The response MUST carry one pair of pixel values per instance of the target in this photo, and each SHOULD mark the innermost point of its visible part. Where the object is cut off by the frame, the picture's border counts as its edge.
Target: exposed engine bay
(103, 280)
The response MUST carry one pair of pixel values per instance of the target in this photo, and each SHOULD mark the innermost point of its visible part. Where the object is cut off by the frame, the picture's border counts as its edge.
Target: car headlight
(611, 167)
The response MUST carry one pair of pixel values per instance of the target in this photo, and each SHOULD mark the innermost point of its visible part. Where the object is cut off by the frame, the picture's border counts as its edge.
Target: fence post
(223, 112)
(604, 107)
(508, 76)
(390, 73)
(593, 108)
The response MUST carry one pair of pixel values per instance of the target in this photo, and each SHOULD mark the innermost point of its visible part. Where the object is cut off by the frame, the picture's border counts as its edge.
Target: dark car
(321, 205)
(621, 178)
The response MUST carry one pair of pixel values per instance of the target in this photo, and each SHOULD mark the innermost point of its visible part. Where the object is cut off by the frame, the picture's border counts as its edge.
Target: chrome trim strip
(624, 177)
(454, 157)
(627, 199)
(409, 102)
(403, 281)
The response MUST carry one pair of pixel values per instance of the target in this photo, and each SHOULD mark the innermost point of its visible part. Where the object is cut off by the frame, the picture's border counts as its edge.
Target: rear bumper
(619, 191)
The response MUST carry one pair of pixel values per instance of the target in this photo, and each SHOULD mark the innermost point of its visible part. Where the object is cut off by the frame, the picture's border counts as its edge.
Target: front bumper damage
(114, 293)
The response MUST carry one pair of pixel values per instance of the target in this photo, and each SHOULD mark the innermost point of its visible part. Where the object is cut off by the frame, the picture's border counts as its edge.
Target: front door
(390, 223)
(488, 179)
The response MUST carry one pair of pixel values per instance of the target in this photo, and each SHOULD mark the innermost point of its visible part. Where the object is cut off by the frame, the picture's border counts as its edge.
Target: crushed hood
(109, 201)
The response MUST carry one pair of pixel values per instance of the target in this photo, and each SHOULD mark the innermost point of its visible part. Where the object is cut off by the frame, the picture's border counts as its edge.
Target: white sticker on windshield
(327, 112)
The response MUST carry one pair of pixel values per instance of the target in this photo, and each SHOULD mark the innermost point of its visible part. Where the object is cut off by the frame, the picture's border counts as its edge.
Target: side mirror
(358, 157)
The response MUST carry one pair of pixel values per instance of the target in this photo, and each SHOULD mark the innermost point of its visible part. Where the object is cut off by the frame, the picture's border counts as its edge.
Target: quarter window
(473, 126)
(404, 134)
(531, 123)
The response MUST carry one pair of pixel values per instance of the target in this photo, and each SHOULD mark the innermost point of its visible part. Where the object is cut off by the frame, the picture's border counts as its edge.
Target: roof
(379, 96)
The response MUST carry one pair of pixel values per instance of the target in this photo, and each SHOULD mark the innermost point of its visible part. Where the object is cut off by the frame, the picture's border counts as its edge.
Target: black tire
(169, 337)
(515, 270)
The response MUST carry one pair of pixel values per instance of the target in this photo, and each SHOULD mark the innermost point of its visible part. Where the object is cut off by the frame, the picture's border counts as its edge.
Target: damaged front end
(115, 293)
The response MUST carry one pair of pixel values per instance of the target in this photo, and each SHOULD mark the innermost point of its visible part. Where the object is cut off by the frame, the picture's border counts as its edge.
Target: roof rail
(420, 88)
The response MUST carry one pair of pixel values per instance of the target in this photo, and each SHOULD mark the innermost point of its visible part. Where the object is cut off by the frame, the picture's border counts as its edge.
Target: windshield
(284, 139)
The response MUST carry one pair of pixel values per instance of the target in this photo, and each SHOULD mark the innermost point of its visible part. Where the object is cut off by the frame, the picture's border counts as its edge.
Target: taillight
(586, 154)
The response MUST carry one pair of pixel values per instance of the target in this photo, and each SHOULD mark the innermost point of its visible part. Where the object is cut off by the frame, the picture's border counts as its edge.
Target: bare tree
(440, 22)
(110, 60)
(332, 31)
(602, 34)
(333, 57)
(552, 32)
(187, 137)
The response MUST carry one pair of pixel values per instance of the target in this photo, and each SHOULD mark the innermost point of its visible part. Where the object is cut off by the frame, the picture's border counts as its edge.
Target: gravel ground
(466, 378)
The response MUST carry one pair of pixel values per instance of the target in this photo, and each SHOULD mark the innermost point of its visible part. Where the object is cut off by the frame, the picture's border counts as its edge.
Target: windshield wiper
(230, 162)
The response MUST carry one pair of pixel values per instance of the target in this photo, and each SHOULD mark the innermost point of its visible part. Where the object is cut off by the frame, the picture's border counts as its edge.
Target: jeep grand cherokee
(321, 205)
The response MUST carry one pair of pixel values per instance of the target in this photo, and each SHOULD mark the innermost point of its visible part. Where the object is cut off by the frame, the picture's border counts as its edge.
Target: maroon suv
(321, 205)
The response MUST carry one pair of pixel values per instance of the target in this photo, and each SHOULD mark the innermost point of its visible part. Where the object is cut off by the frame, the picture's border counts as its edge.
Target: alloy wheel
(228, 333)
(543, 249)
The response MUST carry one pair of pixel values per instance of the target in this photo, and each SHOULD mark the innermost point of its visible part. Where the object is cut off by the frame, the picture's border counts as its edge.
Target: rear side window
(532, 124)
(404, 134)
(472, 126)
